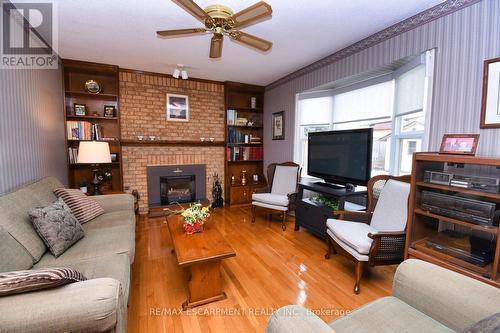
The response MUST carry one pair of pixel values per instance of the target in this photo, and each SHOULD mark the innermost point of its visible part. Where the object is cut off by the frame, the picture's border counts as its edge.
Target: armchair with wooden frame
(375, 237)
(281, 191)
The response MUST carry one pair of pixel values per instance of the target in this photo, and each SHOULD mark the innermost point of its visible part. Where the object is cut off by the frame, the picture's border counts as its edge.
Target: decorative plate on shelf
(92, 86)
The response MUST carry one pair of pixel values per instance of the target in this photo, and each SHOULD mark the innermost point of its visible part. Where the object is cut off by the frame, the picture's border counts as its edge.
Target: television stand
(313, 216)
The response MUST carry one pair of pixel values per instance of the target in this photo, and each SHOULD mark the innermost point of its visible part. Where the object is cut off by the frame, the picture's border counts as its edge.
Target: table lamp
(94, 153)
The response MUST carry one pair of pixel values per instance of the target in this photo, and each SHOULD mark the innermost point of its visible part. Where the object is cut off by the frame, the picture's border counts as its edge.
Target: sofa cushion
(271, 198)
(489, 324)
(14, 218)
(58, 228)
(94, 305)
(43, 190)
(387, 314)
(354, 234)
(14, 256)
(83, 207)
(116, 266)
(18, 282)
(122, 218)
(98, 242)
(391, 211)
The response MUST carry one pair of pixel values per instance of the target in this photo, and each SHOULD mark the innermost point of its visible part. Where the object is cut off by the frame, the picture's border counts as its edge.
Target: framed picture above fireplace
(177, 107)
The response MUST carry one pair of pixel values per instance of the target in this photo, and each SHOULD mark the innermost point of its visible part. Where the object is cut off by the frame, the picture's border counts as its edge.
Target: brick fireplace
(142, 107)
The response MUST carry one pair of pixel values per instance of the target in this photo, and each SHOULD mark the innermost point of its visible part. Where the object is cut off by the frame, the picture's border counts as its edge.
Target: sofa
(425, 298)
(104, 256)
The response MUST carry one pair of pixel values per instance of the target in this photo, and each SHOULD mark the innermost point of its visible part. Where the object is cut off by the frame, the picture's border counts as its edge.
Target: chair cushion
(83, 207)
(354, 234)
(271, 198)
(58, 228)
(285, 179)
(275, 207)
(391, 211)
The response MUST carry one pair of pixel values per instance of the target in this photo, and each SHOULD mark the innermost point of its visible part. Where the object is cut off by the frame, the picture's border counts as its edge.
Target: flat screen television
(341, 157)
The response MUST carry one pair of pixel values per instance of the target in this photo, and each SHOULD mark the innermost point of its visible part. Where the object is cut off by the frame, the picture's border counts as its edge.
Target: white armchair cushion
(271, 198)
(354, 234)
(391, 211)
(285, 179)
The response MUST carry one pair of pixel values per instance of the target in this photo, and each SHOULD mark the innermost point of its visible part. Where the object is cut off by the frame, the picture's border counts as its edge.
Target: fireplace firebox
(177, 189)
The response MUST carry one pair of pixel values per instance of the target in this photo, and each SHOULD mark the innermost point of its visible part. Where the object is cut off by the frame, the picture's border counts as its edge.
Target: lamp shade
(93, 152)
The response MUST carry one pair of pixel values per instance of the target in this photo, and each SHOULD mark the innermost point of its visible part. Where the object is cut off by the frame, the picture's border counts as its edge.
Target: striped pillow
(83, 207)
(23, 281)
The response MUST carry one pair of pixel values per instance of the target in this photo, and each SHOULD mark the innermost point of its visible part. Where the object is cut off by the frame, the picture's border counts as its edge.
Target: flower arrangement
(194, 218)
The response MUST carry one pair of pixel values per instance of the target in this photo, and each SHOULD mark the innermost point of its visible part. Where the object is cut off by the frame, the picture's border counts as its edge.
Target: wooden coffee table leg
(205, 284)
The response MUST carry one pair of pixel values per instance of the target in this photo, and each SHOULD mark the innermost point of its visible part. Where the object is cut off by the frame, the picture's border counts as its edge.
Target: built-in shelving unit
(452, 241)
(76, 73)
(244, 137)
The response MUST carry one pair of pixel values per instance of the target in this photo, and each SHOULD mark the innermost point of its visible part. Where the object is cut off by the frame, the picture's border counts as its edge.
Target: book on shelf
(236, 136)
(245, 153)
(73, 155)
(83, 130)
(232, 115)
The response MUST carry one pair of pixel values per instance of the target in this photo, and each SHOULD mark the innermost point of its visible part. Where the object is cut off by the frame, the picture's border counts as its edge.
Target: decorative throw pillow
(83, 207)
(23, 281)
(57, 227)
(489, 324)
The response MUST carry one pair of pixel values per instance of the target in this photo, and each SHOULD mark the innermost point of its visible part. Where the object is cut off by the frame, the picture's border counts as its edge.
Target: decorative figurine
(217, 201)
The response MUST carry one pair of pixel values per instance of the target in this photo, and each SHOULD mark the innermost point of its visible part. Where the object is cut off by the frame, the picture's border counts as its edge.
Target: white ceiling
(122, 32)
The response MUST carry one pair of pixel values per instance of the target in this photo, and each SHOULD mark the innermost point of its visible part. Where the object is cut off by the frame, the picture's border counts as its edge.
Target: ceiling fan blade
(192, 8)
(180, 32)
(252, 14)
(251, 40)
(216, 46)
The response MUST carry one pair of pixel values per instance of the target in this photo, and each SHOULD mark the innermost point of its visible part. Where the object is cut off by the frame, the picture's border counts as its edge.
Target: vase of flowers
(194, 218)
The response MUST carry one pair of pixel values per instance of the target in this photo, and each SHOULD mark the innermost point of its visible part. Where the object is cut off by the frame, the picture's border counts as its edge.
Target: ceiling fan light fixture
(221, 21)
(184, 74)
(176, 73)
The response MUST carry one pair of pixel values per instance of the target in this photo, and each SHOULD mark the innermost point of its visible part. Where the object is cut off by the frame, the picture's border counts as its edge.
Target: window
(315, 115)
(393, 105)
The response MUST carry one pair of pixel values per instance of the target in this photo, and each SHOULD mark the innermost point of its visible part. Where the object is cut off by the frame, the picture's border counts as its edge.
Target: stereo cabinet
(447, 237)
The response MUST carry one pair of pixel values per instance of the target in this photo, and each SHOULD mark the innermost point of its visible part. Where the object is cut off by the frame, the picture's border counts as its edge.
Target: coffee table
(201, 254)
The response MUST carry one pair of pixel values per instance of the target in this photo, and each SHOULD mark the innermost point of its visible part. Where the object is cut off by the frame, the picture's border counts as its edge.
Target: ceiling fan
(220, 20)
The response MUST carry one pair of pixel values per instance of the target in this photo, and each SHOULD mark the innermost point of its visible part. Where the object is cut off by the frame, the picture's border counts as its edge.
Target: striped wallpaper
(31, 127)
(463, 40)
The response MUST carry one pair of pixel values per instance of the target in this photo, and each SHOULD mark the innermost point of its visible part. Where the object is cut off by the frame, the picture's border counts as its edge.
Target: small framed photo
(80, 109)
(490, 107)
(109, 111)
(460, 144)
(114, 157)
(279, 125)
(177, 107)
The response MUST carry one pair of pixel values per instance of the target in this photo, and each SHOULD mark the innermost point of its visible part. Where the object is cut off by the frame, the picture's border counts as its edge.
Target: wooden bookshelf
(76, 73)
(449, 241)
(238, 98)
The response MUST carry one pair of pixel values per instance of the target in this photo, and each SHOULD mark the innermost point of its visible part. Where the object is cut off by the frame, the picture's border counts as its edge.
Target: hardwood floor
(272, 268)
